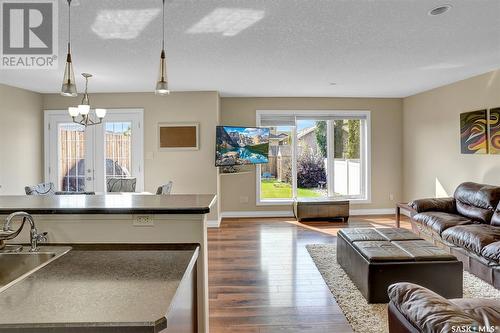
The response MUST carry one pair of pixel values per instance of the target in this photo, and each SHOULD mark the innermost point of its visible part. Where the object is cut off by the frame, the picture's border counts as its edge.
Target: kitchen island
(123, 219)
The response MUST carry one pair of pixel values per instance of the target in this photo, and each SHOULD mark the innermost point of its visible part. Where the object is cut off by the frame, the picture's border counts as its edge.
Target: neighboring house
(307, 139)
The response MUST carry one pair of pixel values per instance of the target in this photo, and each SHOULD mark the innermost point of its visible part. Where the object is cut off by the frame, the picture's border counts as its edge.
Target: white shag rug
(372, 318)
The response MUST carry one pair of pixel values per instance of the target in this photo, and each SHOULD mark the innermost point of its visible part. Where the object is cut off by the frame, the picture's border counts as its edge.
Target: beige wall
(191, 171)
(386, 148)
(433, 165)
(21, 139)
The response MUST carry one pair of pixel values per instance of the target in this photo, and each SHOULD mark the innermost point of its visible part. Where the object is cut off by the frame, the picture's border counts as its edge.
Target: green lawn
(273, 189)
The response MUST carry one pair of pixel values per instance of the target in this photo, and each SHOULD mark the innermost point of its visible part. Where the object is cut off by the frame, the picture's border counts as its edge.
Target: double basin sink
(17, 265)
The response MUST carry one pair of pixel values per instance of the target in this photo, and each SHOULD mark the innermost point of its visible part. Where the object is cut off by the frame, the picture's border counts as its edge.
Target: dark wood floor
(262, 279)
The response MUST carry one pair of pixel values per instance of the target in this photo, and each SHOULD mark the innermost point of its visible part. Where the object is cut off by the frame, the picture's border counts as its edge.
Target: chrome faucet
(7, 232)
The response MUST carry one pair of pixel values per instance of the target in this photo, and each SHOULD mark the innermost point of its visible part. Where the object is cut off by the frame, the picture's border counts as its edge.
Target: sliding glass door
(79, 158)
(314, 155)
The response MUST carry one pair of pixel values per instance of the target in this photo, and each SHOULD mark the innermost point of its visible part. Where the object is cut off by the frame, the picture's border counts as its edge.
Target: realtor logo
(29, 34)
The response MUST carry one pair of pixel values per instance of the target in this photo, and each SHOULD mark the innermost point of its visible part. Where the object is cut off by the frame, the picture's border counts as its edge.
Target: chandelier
(83, 110)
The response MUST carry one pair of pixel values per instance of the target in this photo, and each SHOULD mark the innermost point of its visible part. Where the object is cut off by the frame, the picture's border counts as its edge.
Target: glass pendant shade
(68, 86)
(100, 113)
(84, 109)
(73, 112)
(162, 84)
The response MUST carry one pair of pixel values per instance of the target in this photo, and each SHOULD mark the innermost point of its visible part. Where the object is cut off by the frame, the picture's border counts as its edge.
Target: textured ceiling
(387, 48)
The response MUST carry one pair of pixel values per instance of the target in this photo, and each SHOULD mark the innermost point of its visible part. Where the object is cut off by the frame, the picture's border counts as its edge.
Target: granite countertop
(121, 290)
(108, 204)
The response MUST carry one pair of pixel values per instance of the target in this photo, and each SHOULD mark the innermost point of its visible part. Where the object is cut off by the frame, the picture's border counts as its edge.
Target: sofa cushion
(492, 252)
(495, 219)
(472, 237)
(446, 205)
(477, 201)
(437, 222)
(427, 310)
(485, 311)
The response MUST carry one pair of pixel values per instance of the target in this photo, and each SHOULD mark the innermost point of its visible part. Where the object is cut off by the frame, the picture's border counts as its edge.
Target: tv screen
(241, 145)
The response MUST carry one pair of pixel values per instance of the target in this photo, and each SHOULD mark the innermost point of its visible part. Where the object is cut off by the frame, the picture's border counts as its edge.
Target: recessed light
(439, 10)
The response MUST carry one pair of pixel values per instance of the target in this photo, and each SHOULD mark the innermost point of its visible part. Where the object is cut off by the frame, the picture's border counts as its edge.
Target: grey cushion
(40, 189)
(121, 184)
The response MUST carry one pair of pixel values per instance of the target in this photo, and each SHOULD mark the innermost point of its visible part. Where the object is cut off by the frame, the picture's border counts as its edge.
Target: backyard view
(312, 160)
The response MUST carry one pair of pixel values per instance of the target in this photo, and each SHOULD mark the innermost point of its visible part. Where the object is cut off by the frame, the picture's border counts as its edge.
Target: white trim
(405, 213)
(366, 144)
(136, 115)
(262, 213)
(289, 213)
(375, 211)
(213, 223)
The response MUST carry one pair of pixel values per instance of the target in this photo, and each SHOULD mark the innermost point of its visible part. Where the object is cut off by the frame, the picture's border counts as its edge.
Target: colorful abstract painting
(494, 142)
(473, 132)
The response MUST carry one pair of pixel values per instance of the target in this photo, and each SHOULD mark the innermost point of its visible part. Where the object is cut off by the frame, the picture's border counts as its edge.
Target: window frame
(365, 157)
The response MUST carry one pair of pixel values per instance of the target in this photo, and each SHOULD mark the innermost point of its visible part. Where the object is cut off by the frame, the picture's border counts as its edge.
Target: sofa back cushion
(495, 220)
(477, 201)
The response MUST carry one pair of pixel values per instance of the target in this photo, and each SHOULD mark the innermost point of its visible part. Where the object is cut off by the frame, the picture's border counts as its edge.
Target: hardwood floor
(262, 279)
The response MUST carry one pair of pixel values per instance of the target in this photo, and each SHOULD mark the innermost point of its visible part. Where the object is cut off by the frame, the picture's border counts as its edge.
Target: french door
(79, 158)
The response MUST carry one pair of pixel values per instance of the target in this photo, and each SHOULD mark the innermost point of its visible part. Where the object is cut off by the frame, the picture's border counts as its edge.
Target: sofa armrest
(447, 205)
(427, 310)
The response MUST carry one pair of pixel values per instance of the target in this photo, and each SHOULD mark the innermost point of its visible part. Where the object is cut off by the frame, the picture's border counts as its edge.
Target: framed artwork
(474, 132)
(178, 136)
(494, 130)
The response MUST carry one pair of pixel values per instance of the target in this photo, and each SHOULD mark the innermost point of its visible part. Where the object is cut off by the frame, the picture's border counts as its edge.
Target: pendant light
(162, 84)
(83, 109)
(68, 85)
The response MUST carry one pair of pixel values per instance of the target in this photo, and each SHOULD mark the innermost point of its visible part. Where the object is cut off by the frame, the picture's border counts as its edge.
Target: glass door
(79, 159)
(70, 155)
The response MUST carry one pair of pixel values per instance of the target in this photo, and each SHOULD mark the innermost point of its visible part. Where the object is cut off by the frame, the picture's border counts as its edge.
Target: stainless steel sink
(15, 266)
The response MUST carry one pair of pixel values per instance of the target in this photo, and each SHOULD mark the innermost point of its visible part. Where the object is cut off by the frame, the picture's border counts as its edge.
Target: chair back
(121, 184)
(40, 189)
(165, 189)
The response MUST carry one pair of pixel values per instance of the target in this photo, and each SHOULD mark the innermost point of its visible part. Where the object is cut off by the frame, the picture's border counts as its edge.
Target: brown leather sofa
(467, 225)
(414, 309)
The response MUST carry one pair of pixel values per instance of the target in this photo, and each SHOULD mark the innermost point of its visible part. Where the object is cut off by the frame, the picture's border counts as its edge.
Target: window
(315, 154)
(81, 159)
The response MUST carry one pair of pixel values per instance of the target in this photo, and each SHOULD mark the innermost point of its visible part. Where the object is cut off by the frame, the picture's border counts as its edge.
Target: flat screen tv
(241, 145)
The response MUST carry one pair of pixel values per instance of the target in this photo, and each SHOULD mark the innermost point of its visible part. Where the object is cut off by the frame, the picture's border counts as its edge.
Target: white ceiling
(370, 48)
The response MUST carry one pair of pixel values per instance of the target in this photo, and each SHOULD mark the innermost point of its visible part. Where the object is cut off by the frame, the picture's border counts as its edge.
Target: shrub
(310, 169)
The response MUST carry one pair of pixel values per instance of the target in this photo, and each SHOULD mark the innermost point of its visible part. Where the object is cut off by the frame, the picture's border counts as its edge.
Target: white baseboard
(376, 211)
(214, 223)
(258, 213)
(286, 213)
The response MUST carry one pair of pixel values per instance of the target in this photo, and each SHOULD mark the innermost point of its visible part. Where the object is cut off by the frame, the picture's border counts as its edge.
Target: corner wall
(386, 147)
(433, 164)
(191, 171)
(21, 139)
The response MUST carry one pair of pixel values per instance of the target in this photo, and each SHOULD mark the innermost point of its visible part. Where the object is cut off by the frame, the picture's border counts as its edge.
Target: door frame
(136, 116)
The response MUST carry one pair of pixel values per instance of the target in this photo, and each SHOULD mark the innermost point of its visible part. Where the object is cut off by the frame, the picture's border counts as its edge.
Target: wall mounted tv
(241, 145)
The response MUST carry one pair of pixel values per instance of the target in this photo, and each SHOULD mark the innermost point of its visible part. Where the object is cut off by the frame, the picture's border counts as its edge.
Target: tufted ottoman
(377, 258)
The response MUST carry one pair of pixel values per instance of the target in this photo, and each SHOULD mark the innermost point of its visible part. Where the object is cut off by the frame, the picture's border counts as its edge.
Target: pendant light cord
(69, 26)
(163, 31)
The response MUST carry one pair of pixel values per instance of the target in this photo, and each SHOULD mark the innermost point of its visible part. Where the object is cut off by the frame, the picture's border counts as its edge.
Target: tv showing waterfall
(241, 145)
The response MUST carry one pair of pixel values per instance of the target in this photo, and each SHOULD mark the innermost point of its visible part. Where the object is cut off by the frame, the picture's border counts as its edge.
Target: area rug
(372, 318)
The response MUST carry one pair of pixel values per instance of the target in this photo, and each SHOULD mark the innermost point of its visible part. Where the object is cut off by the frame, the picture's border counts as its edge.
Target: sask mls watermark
(29, 34)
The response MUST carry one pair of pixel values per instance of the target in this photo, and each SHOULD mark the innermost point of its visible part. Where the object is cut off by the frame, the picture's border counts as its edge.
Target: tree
(321, 137)
(338, 137)
(353, 139)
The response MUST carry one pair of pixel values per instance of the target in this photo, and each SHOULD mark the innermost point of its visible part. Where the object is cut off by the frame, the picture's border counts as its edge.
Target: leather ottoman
(376, 258)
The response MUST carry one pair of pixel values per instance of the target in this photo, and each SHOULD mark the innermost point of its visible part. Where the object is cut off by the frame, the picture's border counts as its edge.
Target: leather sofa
(414, 309)
(467, 225)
